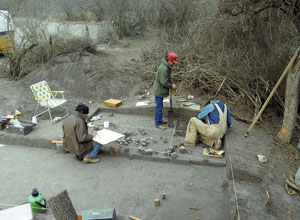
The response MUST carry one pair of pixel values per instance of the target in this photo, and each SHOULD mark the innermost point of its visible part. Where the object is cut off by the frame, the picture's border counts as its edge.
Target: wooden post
(62, 207)
(164, 195)
(291, 104)
(157, 202)
(273, 91)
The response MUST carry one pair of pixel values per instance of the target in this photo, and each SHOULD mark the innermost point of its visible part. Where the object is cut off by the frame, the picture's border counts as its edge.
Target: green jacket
(163, 80)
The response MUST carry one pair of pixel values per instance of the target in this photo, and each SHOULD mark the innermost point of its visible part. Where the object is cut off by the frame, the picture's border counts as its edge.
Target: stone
(127, 134)
(182, 149)
(174, 155)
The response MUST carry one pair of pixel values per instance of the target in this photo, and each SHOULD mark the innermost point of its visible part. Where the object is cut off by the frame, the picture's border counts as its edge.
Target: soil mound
(88, 76)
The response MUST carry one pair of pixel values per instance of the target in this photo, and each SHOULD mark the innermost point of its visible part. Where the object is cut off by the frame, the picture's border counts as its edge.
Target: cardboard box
(99, 214)
(113, 103)
(27, 128)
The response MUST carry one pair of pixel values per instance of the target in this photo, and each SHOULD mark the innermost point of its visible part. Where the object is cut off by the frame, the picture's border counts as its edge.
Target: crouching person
(211, 124)
(77, 140)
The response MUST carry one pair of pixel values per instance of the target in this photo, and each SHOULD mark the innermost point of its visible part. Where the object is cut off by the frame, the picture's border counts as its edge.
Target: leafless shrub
(36, 46)
(251, 51)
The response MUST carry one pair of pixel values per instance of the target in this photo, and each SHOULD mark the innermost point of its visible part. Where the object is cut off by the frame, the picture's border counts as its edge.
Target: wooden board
(113, 103)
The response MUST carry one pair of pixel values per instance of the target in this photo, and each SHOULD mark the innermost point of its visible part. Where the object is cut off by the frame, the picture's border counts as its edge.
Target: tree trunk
(291, 103)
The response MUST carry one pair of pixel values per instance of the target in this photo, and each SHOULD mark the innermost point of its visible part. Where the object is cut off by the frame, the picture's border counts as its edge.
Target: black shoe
(79, 158)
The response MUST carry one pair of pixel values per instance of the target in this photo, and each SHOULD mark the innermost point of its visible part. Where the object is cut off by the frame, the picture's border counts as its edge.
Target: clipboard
(105, 136)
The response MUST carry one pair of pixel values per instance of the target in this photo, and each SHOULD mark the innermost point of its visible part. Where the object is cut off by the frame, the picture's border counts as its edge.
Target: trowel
(170, 112)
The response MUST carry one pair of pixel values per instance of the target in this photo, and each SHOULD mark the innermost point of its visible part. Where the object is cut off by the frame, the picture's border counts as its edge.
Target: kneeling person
(217, 117)
(77, 140)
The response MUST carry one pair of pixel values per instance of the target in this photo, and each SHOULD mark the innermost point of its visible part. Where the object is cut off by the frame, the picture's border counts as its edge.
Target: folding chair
(47, 99)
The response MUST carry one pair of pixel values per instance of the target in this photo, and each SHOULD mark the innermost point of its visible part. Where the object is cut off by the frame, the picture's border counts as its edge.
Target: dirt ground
(255, 190)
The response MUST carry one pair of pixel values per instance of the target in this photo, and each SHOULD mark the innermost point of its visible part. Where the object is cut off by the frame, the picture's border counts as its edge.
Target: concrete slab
(130, 186)
(131, 125)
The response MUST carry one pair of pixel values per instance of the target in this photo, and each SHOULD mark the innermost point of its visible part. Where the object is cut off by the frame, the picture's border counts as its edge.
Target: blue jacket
(213, 114)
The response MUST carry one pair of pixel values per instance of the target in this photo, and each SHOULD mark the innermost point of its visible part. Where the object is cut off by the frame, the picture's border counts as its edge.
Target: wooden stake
(134, 218)
(220, 87)
(157, 202)
(164, 196)
(273, 91)
(56, 142)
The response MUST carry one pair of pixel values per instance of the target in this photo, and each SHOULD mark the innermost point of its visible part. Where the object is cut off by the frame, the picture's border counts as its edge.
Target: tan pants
(208, 133)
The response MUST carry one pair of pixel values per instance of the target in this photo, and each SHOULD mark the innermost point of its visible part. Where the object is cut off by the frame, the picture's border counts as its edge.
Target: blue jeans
(96, 148)
(158, 110)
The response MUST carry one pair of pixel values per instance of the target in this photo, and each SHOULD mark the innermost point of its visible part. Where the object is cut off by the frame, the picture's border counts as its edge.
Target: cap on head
(173, 56)
(82, 109)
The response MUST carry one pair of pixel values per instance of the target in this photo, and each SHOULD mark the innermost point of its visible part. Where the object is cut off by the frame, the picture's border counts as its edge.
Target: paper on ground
(166, 100)
(145, 103)
(213, 153)
(106, 136)
(191, 105)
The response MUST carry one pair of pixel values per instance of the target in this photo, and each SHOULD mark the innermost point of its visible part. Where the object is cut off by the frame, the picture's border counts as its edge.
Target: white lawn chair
(47, 99)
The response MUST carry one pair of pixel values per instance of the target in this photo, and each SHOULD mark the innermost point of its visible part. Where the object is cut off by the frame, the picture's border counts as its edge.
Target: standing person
(77, 140)
(162, 83)
(217, 116)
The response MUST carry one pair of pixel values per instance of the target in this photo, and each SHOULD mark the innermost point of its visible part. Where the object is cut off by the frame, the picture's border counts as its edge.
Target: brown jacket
(76, 137)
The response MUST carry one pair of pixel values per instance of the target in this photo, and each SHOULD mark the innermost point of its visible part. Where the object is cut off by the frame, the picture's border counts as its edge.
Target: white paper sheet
(145, 103)
(106, 136)
(166, 100)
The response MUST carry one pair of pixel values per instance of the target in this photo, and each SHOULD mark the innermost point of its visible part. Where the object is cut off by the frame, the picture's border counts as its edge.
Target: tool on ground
(133, 218)
(37, 201)
(170, 112)
(273, 91)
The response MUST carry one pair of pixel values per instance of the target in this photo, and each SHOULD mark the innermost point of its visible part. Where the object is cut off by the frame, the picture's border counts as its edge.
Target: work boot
(164, 122)
(79, 157)
(88, 159)
(161, 127)
(218, 144)
(187, 144)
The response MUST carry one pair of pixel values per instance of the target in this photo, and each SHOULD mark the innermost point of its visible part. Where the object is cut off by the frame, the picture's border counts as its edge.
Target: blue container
(99, 214)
